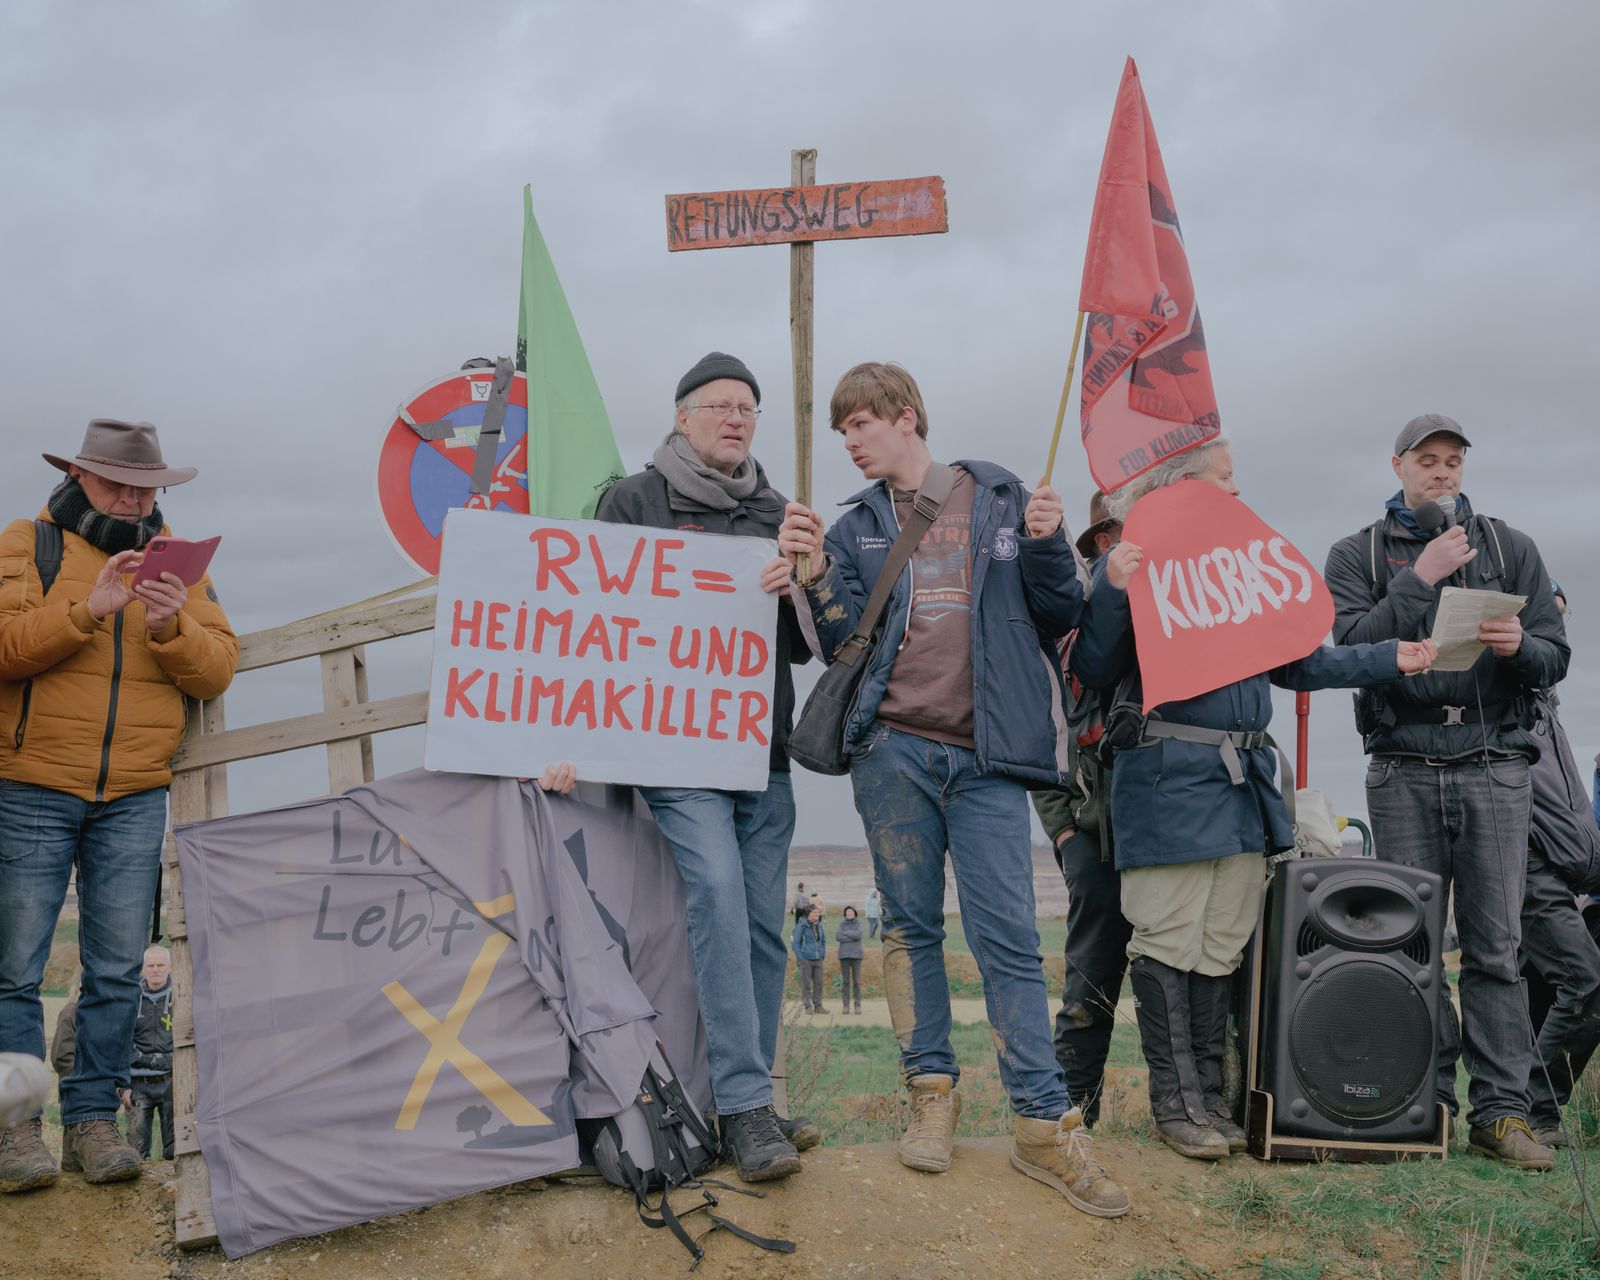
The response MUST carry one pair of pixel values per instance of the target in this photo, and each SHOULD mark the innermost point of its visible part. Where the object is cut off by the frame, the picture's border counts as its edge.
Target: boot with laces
(25, 1162)
(757, 1146)
(935, 1105)
(1056, 1153)
(802, 1131)
(96, 1149)
(1509, 1140)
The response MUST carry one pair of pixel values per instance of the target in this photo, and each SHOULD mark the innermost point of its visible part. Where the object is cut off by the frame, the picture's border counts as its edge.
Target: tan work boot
(1510, 1141)
(1056, 1153)
(926, 1142)
(25, 1162)
(97, 1149)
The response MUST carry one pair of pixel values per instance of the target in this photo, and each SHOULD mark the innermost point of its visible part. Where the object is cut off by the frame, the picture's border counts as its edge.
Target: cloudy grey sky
(262, 226)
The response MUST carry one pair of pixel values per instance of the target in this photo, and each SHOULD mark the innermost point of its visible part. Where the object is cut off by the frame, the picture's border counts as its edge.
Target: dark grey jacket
(1378, 596)
(848, 939)
(1563, 829)
(645, 498)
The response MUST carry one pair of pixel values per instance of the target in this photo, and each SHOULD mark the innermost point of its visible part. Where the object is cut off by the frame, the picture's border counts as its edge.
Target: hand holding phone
(188, 560)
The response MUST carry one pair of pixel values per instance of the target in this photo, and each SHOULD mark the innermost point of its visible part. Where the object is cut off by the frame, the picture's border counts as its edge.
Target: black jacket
(152, 1032)
(645, 498)
(1378, 596)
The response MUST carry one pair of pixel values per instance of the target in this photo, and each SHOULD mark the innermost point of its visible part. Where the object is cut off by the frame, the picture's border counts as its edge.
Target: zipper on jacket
(22, 717)
(111, 711)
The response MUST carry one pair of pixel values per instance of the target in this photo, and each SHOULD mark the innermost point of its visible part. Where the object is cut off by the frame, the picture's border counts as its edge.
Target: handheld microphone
(1431, 517)
(1447, 507)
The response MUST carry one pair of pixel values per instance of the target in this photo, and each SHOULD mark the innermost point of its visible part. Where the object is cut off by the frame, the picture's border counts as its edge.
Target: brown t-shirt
(930, 686)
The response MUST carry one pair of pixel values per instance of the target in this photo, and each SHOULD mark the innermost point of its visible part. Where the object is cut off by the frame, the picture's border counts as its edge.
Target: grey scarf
(683, 469)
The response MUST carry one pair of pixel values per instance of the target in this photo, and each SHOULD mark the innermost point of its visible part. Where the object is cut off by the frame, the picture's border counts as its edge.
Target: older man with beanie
(93, 676)
(731, 847)
(1448, 787)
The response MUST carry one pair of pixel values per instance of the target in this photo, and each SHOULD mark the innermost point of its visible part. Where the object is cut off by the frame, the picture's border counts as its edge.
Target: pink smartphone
(175, 555)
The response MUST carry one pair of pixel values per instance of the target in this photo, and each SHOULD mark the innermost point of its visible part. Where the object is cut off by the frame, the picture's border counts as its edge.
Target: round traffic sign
(419, 479)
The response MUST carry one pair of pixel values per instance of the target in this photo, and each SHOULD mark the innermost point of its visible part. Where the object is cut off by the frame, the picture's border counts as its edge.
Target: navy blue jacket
(1025, 594)
(1173, 801)
(810, 941)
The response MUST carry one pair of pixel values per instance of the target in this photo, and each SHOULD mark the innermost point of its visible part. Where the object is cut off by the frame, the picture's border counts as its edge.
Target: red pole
(1302, 763)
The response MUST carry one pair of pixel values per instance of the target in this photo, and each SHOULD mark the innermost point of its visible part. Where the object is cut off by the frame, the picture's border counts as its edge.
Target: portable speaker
(1350, 999)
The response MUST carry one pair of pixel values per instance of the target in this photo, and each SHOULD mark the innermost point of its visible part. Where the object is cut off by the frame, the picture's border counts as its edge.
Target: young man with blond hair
(959, 710)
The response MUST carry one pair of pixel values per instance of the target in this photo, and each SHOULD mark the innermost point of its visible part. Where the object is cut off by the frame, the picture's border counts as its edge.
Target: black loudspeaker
(1350, 1000)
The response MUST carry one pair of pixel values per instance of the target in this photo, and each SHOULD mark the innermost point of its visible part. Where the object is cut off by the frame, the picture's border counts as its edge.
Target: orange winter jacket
(95, 708)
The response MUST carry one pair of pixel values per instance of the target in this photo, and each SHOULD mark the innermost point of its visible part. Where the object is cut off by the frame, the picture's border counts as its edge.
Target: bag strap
(48, 547)
(1229, 742)
(932, 494)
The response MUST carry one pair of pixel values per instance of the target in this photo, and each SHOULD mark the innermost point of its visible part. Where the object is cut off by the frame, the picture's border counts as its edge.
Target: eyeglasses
(723, 408)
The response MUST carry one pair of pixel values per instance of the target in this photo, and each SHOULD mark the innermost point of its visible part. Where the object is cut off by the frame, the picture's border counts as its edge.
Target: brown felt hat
(124, 453)
(1099, 522)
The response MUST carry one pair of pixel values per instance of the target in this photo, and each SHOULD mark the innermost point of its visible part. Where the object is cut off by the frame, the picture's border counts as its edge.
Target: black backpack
(656, 1146)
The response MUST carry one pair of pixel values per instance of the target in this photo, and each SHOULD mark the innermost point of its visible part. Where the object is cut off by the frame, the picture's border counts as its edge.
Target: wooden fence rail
(345, 726)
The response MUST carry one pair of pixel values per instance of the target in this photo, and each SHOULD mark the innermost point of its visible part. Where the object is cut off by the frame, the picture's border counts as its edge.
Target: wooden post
(802, 173)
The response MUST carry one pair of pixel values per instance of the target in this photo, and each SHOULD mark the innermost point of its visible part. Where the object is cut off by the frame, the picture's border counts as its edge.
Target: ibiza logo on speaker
(1361, 1091)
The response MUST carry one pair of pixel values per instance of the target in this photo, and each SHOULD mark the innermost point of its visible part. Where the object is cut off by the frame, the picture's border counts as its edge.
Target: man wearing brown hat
(731, 847)
(1448, 787)
(93, 675)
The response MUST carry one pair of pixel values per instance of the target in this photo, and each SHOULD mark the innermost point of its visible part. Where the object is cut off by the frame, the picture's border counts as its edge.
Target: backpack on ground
(658, 1145)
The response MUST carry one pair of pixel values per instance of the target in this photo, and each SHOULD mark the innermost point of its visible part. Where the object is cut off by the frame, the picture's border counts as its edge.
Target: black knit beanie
(714, 365)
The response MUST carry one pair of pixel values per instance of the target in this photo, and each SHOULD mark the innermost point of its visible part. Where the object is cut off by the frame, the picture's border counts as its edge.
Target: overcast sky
(264, 226)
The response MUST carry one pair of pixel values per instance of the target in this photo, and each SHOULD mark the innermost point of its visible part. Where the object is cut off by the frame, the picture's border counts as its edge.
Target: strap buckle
(1452, 715)
(926, 505)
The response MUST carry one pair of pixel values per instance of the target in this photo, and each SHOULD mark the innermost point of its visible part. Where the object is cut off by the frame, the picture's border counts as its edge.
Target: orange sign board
(784, 215)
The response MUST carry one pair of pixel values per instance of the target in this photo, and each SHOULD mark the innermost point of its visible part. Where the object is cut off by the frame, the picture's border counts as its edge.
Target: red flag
(1146, 389)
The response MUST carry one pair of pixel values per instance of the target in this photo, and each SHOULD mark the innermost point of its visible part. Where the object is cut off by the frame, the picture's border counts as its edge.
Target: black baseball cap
(1425, 425)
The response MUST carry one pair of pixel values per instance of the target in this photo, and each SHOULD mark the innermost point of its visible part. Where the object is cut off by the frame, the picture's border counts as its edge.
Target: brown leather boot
(25, 1162)
(1510, 1141)
(926, 1142)
(97, 1149)
(1056, 1153)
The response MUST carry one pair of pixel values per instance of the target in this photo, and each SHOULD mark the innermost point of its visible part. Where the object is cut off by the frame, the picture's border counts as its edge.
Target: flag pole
(1066, 393)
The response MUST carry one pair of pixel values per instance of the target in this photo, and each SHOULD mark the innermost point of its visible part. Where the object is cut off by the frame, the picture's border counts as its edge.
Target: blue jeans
(732, 850)
(1468, 821)
(117, 848)
(919, 798)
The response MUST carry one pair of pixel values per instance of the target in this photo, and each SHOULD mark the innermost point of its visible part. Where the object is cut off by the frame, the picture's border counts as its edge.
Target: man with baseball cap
(1448, 786)
(93, 676)
(731, 847)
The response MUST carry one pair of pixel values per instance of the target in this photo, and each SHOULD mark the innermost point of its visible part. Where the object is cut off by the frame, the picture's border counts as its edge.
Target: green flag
(572, 454)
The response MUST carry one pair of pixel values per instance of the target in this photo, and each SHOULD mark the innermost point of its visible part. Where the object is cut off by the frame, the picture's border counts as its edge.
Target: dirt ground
(852, 1212)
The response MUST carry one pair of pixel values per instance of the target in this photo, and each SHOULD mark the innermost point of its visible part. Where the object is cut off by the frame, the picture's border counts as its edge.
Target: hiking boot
(1510, 1141)
(926, 1142)
(1056, 1153)
(1553, 1137)
(95, 1148)
(802, 1132)
(25, 1163)
(1209, 998)
(24, 1087)
(755, 1141)
(1177, 1104)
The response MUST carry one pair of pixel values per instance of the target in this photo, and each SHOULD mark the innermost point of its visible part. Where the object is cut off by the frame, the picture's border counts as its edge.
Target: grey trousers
(810, 983)
(1468, 821)
(1562, 963)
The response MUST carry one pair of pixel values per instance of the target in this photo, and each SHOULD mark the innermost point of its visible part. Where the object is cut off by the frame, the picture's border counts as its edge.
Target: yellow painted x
(444, 1045)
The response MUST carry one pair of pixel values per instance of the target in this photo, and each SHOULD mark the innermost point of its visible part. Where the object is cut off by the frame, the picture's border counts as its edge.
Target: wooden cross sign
(799, 215)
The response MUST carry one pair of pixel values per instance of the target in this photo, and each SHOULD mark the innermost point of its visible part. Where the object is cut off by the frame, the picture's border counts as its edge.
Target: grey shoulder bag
(818, 738)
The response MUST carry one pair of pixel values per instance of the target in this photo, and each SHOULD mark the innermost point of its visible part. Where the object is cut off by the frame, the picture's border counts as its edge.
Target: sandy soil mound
(853, 1212)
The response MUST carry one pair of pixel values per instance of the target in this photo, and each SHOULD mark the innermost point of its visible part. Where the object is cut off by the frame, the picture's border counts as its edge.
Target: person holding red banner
(1196, 806)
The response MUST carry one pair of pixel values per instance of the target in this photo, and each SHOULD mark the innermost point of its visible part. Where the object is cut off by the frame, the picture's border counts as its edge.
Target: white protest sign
(643, 656)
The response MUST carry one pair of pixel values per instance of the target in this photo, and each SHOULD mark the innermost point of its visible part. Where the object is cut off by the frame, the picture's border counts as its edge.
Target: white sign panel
(643, 656)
